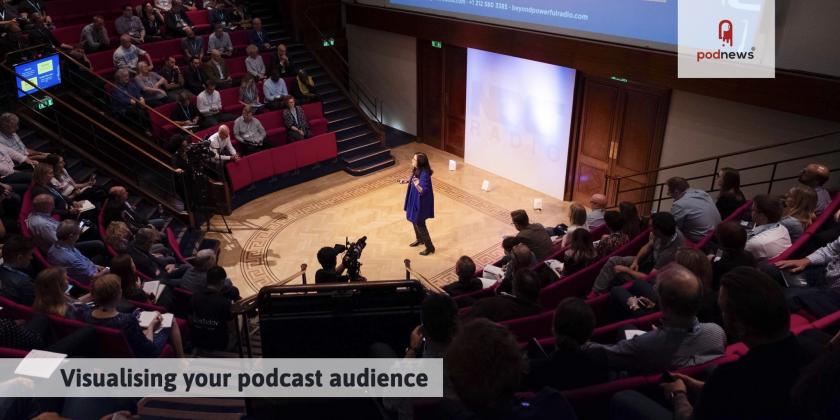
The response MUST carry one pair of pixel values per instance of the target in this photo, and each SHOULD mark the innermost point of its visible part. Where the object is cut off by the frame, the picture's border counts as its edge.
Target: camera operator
(329, 272)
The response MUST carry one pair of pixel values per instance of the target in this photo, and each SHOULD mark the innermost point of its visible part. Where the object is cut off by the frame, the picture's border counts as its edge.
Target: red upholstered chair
(162, 128)
(261, 165)
(317, 126)
(236, 67)
(174, 245)
(10, 353)
(275, 131)
(69, 34)
(102, 63)
(284, 159)
(538, 325)
(315, 149)
(239, 174)
(12, 309)
(230, 102)
(239, 39)
(160, 50)
(313, 110)
(200, 20)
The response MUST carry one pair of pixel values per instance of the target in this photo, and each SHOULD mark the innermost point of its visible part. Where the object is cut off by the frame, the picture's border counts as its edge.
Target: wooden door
(441, 96)
(595, 139)
(455, 74)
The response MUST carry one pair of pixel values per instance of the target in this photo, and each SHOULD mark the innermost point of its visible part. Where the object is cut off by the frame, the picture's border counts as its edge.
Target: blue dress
(419, 207)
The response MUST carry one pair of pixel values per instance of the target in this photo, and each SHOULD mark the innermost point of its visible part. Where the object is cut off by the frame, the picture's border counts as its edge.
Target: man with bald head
(117, 208)
(65, 253)
(43, 228)
(682, 340)
(595, 218)
(815, 176)
(127, 55)
(221, 146)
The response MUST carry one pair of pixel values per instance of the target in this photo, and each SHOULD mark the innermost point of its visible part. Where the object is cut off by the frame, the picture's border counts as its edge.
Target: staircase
(360, 147)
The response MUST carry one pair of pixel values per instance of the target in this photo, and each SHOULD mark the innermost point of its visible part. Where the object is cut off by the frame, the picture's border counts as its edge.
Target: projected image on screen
(518, 117)
(41, 73)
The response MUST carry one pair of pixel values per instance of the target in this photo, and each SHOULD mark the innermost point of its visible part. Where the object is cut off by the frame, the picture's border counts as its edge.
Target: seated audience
(152, 259)
(768, 238)
(176, 20)
(40, 32)
(42, 184)
(758, 384)
(330, 271)
(815, 176)
(67, 186)
(218, 17)
(216, 71)
(118, 208)
(281, 63)
(257, 36)
(131, 25)
(821, 270)
(507, 248)
(275, 91)
(144, 342)
(18, 179)
(800, 204)
(171, 73)
(595, 218)
(486, 392)
(127, 55)
(520, 258)
(577, 220)
(132, 289)
(210, 314)
(34, 334)
(44, 228)
(152, 85)
(693, 210)
(249, 131)
(682, 340)
(254, 63)
(580, 254)
(221, 145)
(533, 235)
(153, 23)
(297, 127)
(194, 80)
(9, 125)
(731, 239)
(303, 88)
(220, 40)
(633, 224)
(63, 253)
(573, 363)
(209, 104)
(94, 36)
(185, 114)
(118, 236)
(15, 40)
(51, 297)
(730, 196)
(195, 278)
(164, 5)
(127, 99)
(616, 238)
(15, 283)
(523, 301)
(663, 242)
(192, 45)
(467, 282)
(249, 94)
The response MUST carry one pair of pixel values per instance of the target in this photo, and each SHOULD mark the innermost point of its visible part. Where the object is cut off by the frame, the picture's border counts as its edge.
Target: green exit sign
(45, 103)
(619, 79)
(328, 42)
(437, 44)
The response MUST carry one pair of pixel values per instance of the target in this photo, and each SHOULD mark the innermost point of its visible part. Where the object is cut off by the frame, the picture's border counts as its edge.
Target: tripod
(201, 195)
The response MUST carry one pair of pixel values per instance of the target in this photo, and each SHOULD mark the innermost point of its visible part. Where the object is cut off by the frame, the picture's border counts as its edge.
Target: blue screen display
(44, 73)
(648, 21)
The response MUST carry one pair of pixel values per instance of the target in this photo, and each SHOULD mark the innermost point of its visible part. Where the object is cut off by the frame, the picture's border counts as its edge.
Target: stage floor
(274, 234)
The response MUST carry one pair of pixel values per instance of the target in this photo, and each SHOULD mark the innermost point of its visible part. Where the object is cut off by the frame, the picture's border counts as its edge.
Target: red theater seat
(283, 158)
(200, 20)
(160, 126)
(70, 34)
(315, 149)
(239, 174)
(261, 165)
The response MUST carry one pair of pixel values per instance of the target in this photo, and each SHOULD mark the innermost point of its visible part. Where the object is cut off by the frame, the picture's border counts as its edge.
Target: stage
(274, 234)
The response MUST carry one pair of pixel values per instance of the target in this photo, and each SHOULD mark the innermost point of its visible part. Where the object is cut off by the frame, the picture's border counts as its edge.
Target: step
(341, 115)
(346, 124)
(353, 134)
(338, 107)
(357, 145)
(81, 173)
(359, 170)
(366, 154)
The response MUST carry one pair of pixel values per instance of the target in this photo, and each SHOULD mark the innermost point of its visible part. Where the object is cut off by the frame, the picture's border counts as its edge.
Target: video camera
(351, 258)
(198, 153)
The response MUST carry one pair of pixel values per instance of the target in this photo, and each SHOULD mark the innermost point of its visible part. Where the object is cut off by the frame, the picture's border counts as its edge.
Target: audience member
(693, 209)
(195, 278)
(127, 98)
(152, 85)
(467, 282)
(221, 145)
(485, 381)
(151, 258)
(633, 224)
(220, 40)
(127, 55)
(44, 229)
(164, 5)
(577, 220)
(815, 176)
(731, 239)
(63, 253)
(144, 342)
(768, 238)
(580, 254)
(40, 32)
(186, 114)
(176, 20)
(521, 258)
(730, 197)
(800, 204)
(821, 270)
(34, 335)
(814, 397)
(663, 242)
(216, 71)
(118, 236)
(218, 17)
(254, 63)
(257, 36)
(297, 126)
(132, 290)
(281, 62)
(50, 295)
(249, 94)
(118, 208)
(533, 235)
(616, 238)
(574, 363)
(275, 91)
(42, 184)
(15, 40)
(170, 72)
(303, 88)
(9, 125)
(439, 322)
(595, 218)
(153, 23)
(330, 271)
(15, 283)
(67, 186)
(18, 179)
(94, 36)
(209, 104)
(757, 385)
(523, 301)
(249, 131)
(128, 24)
(682, 340)
(192, 45)
(194, 79)
(210, 314)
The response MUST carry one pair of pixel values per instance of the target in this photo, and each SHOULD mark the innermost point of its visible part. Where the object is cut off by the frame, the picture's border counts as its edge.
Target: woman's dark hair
(580, 247)
(756, 302)
(573, 324)
(614, 221)
(730, 183)
(439, 314)
(121, 265)
(465, 268)
(422, 165)
(632, 222)
(731, 236)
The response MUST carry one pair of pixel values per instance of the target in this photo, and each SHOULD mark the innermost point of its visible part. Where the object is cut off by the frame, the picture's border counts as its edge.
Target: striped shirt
(829, 256)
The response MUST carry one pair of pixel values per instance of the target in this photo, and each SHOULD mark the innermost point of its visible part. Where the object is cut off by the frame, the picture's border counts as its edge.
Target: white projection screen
(519, 114)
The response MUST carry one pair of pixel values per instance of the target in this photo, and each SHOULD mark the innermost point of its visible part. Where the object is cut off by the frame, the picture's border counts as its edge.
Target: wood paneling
(455, 73)
(441, 96)
(797, 92)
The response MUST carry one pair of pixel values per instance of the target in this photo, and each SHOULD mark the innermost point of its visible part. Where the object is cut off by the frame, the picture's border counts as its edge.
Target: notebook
(153, 287)
(39, 363)
(86, 206)
(146, 318)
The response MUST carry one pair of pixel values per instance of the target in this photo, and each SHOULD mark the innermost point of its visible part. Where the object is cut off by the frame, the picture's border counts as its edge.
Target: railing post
(659, 202)
(407, 263)
(303, 275)
(772, 177)
(715, 174)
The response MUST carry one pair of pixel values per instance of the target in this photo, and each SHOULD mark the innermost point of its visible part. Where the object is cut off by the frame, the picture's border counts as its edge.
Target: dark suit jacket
(145, 262)
(194, 79)
(16, 286)
(257, 38)
(287, 70)
(180, 114)
(537, 239)
(289, 122)
(172, 24)
(211, 72)
(115, 210)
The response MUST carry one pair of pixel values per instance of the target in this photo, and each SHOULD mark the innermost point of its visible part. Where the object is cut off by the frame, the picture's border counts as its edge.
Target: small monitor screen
(44, 72)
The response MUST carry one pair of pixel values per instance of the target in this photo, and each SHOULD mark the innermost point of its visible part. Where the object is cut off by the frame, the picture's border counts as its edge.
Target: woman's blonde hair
(50, 285)
(804, 204)
(577, 215)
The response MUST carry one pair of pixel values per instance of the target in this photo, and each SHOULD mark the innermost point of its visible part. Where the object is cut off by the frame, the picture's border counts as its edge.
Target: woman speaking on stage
(420, 201)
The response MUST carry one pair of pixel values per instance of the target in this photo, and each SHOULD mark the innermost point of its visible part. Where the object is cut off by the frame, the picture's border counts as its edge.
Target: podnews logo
(726, 34)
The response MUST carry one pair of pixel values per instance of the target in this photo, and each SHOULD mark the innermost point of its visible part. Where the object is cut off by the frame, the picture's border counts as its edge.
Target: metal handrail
(423, 280)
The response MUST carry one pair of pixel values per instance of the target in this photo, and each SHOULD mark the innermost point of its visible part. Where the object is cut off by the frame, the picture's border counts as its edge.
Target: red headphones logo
(725, 31)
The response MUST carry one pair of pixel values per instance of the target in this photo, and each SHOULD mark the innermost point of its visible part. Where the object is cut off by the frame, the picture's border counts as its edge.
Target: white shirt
(272, 90)
(768, 241)
(217, 145)
(204, 102)
(13, 141)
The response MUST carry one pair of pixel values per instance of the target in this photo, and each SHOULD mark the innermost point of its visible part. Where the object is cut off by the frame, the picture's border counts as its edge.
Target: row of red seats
(71, 34)
(71, 12)
(273, 124)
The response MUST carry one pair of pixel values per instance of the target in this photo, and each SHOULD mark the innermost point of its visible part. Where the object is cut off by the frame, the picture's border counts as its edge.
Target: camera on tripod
(198, 153)
(351, 258)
